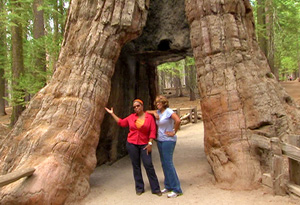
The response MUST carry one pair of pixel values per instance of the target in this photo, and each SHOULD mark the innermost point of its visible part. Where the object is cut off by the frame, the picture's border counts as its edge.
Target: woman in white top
(168, 124)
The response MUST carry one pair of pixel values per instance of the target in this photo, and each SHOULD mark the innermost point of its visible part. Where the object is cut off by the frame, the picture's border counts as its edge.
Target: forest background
(31, 33)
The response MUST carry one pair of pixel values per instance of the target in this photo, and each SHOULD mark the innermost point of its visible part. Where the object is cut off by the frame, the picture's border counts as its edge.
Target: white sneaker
(174, 194)
(164, 191)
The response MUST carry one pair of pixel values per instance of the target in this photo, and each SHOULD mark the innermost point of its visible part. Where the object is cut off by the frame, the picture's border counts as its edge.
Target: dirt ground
(114, 184)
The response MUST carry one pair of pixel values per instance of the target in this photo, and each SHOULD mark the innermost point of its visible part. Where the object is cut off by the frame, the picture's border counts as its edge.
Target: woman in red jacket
(142, 131)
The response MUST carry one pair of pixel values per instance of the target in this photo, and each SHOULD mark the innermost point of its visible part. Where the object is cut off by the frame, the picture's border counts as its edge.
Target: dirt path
(114, 184)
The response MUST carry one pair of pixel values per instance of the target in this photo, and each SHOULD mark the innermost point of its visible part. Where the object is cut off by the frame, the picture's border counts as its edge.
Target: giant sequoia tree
(58, 132)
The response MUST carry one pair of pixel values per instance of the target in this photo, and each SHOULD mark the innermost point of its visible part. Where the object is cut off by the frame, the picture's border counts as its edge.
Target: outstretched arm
(111, 111)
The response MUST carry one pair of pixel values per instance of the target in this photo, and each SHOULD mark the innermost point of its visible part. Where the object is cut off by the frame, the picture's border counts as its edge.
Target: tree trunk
(176, 85)
(2, 92)
(55, 36)
(261, 22)
(180, 87)
(17, 66)
(192, 82)
(58, 133)
(298, 59)
(61, 11)
(163, 81)
(270, 37)
(240, 98)
(38, 34)
(2, 62)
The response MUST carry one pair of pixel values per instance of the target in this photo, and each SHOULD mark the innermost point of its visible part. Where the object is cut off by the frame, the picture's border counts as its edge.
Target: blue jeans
(138, 154)
(166, 150)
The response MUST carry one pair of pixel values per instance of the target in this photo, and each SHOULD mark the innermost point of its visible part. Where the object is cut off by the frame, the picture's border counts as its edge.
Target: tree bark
(261, 22)
(58, 133)
(38, 34)
(3, 57)
(240, 97)
(17, 65)
(271, 37)
(2, 92)
(190, 80)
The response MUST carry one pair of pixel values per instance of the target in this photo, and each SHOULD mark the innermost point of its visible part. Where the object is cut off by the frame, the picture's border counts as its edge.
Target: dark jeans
(136, 154)
(166, 150)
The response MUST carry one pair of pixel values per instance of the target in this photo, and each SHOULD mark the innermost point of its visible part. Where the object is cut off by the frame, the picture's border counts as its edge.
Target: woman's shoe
(174, 194)
(164, 191)
(158, 193)
(139, 193)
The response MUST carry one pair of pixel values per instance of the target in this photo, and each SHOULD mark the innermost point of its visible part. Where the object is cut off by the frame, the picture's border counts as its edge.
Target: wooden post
(277, 168)
(294, 165)
(15, 175)
(191, 115)
(295, 189)
(195, 114)
(178, 112)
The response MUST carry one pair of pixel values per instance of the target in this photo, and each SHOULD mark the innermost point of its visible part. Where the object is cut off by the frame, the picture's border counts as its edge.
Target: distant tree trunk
(178, 85)
(2, 62)
(38, 34)
(171, 81)
(240, 97)
(270, 37)
(190, 80)
(2, 92)
(61, 10)
(17, 66)
(163, 77)
(55, 36)
(261, 21)
(298, 57)
(162, 84)
(59, 131)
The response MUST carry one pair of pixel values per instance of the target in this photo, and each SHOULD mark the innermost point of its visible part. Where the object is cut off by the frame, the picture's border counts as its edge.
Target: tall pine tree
(2, 60)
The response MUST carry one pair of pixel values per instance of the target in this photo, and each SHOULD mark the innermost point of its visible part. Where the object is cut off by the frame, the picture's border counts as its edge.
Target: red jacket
(139, 136)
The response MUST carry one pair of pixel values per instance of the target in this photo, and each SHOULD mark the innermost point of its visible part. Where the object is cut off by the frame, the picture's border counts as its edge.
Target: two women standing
(142, 132)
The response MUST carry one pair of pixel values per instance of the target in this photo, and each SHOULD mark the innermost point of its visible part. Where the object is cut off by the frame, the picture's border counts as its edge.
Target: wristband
(149, 143)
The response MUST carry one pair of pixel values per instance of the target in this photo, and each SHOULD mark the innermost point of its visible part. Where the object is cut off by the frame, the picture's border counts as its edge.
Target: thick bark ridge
(240, 97)
(58, 132)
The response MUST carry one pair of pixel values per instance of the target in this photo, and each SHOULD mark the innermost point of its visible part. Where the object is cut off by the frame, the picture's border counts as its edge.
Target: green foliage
(174, 68)
(34, 77)
(184, 68)
(286, 15)
(190, 61)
